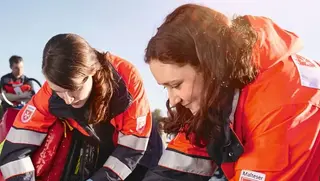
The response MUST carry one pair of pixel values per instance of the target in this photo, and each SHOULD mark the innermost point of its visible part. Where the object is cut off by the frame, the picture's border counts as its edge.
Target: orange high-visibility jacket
(277, 120)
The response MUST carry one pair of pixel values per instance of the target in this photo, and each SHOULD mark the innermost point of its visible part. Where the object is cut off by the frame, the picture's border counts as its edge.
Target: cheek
(192, 92)
(186, 93)
(60, 95)
(197, 91)
(198, 87)
(83, 94)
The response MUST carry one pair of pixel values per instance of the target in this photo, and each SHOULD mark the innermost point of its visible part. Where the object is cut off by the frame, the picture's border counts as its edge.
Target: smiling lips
(187, 106)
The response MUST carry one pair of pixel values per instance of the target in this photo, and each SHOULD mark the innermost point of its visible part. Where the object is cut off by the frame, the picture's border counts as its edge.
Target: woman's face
(75, 98)
(184, 84)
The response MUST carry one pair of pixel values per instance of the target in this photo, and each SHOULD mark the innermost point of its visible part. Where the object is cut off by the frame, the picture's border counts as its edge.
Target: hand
(26, 95)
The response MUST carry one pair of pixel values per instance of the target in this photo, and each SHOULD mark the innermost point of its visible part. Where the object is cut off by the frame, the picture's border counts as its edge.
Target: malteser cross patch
(27, 113)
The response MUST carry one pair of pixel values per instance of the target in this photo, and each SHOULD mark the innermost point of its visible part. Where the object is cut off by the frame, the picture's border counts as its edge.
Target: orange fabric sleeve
(137, 118)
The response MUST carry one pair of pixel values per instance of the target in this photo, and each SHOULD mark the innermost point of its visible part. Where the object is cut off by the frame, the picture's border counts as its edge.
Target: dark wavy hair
(69, 56)
(220, 48)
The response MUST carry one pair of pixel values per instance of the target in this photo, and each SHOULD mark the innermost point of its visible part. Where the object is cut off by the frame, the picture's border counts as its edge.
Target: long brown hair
(69, 56)
(219, 48)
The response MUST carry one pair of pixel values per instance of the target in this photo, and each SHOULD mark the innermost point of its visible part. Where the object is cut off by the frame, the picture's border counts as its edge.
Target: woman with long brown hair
(102, 99)
(240, 98)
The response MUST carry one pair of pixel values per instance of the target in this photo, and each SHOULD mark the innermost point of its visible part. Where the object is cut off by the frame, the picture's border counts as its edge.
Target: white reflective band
(118, 167)
(133, 142)
(234, 105)
(25, 136)
(177, 161)
(17, 167)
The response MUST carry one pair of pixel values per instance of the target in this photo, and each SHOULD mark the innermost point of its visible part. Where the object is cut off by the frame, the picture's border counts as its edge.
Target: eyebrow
(83, 82)
(57, 91)
(171, 82)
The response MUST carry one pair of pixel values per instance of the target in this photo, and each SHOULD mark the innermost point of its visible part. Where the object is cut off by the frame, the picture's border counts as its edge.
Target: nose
(174, 99)
(67, 99)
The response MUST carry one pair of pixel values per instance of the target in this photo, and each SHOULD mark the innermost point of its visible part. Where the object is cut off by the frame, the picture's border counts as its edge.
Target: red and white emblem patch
(27, 113)
(141, 123)
(309, 71)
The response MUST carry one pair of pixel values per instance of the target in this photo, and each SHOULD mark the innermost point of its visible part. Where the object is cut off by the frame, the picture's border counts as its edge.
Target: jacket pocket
(271, 158)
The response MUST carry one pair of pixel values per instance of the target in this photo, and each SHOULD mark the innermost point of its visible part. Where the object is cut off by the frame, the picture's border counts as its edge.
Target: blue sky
(124, 27)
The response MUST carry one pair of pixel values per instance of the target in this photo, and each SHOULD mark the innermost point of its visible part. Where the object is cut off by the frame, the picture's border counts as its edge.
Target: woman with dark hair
(102, 99)
(240, 98)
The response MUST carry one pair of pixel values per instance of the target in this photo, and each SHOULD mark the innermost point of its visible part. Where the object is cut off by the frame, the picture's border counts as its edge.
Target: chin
(78, 104)
(194, 111)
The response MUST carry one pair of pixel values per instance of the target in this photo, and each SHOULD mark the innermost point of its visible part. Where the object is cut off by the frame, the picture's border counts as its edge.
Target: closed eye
(175, 86)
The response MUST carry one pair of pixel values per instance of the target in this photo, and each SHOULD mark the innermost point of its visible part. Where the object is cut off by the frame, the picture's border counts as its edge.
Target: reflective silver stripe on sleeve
(17, 167)
(118, 167)
(177, 161)
(134, 142)
(25, 136)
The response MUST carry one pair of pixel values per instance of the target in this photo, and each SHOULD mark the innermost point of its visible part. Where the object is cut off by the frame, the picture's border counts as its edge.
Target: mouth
(186, 105)
(76, 103)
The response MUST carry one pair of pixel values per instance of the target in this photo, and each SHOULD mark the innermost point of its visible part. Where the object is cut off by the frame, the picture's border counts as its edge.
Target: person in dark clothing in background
(15, 85)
